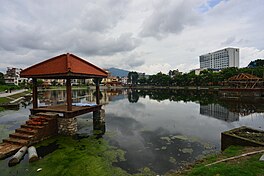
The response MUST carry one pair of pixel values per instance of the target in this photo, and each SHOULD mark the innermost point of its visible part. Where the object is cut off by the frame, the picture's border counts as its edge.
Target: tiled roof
(65, 65)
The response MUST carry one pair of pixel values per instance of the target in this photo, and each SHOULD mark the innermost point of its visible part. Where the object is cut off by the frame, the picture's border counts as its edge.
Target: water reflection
(219, 112)
(211, 103)
(159, 129)
(133, 96)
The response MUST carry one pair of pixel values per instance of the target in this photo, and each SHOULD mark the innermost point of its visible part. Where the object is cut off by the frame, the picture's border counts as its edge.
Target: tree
(132, 77)
(2, 79)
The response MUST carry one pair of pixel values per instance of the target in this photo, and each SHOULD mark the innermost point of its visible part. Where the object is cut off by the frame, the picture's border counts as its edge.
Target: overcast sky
(141, 35)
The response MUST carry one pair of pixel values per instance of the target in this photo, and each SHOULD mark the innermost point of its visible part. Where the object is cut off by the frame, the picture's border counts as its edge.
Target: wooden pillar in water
(69, 94)
(97, 83)
(35, 93)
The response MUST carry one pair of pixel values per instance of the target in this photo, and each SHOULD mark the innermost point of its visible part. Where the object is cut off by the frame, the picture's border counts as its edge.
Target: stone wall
(67, 126)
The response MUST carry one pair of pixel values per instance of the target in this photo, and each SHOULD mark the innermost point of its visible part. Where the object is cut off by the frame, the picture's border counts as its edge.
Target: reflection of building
(53, 97)
(219, 112)
(228, 57)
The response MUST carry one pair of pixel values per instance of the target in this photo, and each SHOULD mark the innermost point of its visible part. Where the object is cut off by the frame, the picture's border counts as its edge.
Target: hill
(256, 63)
(118, 72)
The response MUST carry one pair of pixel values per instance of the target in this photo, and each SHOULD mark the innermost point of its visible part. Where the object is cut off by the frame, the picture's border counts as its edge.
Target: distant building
(111, 80)
(199, 70)
(124, 80)
(228, 57)
(12, 76)
(219, 112)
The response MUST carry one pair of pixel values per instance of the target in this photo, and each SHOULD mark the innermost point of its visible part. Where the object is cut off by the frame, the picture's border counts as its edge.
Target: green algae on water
(87, 156)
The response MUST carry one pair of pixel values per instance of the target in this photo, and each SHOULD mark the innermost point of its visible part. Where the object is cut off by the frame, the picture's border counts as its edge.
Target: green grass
(15, 96)
(7, 87)
(248, 166)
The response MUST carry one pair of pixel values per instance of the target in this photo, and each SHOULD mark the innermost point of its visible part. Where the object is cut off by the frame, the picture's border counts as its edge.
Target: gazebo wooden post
(97, 83)
(35, 93)
(69, 94)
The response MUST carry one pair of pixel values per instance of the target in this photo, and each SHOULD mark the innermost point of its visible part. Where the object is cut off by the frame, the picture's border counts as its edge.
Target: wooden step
(26, 131)
(48, 114)
(40, 118)
(32, 126)
(21, 136)
(16, 141)
(36, 123)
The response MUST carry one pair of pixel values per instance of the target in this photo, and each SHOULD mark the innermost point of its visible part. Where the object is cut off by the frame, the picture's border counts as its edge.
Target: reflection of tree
(133, 96)
(244, 107)
(205, 97)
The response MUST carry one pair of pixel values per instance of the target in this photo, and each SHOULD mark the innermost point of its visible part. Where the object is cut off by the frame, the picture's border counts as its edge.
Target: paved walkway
(12, 93)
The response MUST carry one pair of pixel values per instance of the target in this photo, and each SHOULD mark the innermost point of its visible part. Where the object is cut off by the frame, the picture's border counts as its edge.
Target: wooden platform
(8, 149)
(76, 110)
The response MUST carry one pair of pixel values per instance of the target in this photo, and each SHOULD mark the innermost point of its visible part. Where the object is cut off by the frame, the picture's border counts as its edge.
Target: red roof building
(62, 66)
(65, 66)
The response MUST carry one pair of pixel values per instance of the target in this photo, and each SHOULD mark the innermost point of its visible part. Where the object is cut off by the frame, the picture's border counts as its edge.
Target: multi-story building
(228, 57)
(12, 76)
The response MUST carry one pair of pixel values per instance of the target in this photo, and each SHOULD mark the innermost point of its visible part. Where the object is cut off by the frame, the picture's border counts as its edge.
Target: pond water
(157, 129)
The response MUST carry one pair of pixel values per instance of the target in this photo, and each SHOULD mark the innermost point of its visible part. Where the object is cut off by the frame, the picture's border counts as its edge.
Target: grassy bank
(13, 97)
(244, 166)
(8, 87)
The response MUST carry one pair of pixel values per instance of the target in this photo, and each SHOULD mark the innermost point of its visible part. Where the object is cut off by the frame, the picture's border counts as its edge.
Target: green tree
(132, 77)
(2, 80)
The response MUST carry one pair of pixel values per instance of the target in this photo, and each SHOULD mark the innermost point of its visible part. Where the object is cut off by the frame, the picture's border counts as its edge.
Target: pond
(160, 130)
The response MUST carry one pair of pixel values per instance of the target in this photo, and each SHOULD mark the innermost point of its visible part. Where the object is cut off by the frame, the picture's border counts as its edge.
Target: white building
(228, 57)
(12, 76)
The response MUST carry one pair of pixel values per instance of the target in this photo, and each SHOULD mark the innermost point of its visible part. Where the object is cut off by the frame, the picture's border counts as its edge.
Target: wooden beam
(35, 93)
(69, 94)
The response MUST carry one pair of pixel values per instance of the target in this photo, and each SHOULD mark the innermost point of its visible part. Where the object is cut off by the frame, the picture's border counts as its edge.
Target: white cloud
(141, 35)
(249, 54)
(168, 17)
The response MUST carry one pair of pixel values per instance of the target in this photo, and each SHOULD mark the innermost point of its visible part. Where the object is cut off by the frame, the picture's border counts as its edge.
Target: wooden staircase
(36, 129)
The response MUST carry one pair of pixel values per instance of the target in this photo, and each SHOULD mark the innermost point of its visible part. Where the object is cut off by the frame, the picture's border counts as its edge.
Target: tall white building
(228, 57)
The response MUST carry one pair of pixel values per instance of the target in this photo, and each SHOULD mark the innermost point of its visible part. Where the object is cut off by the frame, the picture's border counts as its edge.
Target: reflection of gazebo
(245, 80)
(65, 66)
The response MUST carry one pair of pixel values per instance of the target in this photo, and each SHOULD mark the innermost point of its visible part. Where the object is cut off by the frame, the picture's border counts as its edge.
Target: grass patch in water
(2, 109)
(4, 100)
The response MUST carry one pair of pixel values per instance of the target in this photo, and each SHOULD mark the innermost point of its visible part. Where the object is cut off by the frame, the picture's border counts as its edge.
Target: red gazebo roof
(63, 66)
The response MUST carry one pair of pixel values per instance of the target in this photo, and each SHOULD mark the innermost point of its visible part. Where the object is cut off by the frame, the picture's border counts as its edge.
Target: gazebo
(245, 80)
(65, 66)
